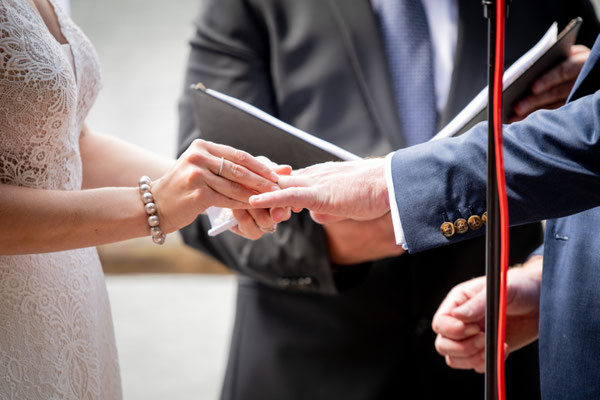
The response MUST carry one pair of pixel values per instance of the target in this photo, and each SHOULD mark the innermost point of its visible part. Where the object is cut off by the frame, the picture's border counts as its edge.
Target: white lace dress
(56, 333)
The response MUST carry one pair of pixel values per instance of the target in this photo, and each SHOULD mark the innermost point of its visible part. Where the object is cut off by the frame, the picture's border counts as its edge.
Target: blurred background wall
(172, 307)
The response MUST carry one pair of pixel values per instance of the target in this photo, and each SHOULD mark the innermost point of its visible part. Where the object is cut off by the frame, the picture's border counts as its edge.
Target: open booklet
(518, 78)
(225, 119)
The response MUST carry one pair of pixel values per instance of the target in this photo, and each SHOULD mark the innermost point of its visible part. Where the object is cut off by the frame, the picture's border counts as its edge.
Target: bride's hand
(254, 223)
(209, 174)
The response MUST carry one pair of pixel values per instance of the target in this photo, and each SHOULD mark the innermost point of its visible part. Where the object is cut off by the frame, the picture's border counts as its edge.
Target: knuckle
(197, 195)
(198, 143)
(241, 156)
(238, 171)
(195, 157)
(193, 176)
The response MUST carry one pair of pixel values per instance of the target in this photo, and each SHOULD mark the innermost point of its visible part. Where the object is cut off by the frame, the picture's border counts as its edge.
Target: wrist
(379, 187)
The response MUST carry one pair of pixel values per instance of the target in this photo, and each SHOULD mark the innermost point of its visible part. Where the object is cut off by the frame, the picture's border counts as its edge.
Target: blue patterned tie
(406, 38)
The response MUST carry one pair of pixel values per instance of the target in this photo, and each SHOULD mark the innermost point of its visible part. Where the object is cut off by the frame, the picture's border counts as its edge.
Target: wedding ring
(269, 230)
(221, 166)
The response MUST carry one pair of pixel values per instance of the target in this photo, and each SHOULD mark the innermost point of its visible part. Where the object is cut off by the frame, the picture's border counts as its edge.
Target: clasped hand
(209, 174)
(460, 320)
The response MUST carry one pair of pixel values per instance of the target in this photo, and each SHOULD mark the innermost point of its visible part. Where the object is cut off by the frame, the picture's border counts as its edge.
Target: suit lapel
(359, 30)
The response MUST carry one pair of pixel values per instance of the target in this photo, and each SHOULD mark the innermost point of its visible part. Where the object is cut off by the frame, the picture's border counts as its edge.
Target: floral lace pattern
(56, 333)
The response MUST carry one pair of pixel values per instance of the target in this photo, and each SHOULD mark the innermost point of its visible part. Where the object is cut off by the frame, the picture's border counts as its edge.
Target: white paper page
(221, 219)
(510, 75)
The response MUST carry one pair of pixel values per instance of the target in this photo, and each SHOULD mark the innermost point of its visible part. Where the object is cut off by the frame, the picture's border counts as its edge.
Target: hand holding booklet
(224, 119)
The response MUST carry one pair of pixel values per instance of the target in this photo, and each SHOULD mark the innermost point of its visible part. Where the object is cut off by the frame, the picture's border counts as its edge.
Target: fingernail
(274, 188)
(538, 87)
(471, 330)
(274, 177)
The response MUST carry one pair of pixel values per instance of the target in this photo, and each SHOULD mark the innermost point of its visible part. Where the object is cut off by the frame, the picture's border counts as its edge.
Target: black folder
(221, 119)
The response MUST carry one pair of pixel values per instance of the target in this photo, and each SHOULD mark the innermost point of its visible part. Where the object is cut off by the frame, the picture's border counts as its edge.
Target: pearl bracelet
(158, 236)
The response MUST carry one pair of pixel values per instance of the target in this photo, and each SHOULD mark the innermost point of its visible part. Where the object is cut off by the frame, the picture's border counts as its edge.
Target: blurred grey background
(172, 307)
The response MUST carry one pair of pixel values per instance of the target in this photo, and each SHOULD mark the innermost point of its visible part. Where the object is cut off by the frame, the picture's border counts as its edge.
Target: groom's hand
(353, 242)
(254, 223)
(352, 189)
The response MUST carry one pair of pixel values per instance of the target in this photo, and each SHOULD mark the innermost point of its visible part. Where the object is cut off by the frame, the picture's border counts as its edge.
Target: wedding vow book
(227, 120)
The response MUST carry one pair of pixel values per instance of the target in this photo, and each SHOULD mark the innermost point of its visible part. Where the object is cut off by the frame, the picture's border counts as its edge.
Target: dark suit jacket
(320, 65)
(552, 170)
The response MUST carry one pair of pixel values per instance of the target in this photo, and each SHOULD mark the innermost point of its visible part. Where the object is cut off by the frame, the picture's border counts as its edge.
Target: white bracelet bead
(156, 233)
(150, 208)
(153, 220)
(147, 198)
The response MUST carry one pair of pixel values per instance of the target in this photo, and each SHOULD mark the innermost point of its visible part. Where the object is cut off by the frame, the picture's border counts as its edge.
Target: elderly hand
(351, 189)
(209, 174)
(552, 89)
(460, 319)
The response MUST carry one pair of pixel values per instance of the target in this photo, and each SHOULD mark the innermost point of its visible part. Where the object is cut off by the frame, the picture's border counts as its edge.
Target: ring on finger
(221, 166)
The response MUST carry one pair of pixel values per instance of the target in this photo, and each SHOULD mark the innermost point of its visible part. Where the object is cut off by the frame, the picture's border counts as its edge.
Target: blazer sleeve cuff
(398, 231)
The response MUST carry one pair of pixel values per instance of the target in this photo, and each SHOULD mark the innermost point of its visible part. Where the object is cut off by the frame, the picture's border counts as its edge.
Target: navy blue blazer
(552, 162)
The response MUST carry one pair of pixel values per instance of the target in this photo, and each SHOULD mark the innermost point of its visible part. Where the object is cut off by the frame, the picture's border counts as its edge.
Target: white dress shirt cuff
(398, 231)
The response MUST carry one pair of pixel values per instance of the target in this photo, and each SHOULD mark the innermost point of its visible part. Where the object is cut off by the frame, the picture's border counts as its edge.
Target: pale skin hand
(370, 236)
(551, 90)
(460, 320)
(39, 220)
(351, 189)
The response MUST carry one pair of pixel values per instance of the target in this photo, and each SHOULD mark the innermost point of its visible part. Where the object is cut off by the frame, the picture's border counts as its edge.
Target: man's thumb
(471, 310)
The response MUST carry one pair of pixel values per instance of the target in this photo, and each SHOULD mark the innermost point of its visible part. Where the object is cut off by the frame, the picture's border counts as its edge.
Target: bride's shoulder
(17, 17)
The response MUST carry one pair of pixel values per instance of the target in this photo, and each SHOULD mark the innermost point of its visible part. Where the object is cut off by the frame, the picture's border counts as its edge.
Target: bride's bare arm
(109, 161)
(38, 220)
